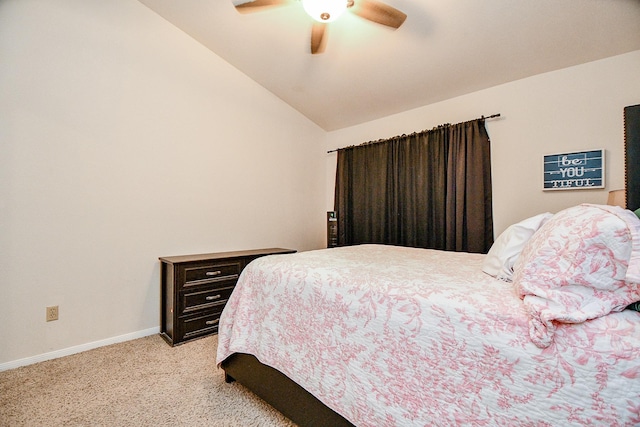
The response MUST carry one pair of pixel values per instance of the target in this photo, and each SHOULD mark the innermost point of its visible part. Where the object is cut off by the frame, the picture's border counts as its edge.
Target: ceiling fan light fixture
(324, 10)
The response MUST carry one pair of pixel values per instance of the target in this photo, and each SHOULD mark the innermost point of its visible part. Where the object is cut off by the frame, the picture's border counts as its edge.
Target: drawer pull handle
(214, 273)
(213, 297)
(212, 322)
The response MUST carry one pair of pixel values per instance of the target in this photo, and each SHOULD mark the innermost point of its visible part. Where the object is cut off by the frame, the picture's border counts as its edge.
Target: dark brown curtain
(429, 190)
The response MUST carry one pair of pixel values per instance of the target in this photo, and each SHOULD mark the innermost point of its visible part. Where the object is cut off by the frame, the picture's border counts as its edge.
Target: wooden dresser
(195, 289)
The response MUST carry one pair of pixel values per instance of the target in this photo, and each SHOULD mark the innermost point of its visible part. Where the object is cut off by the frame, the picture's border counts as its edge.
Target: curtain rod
(493, 116)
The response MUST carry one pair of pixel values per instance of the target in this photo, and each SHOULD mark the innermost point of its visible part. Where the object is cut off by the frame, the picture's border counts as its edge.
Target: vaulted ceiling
(444, 49)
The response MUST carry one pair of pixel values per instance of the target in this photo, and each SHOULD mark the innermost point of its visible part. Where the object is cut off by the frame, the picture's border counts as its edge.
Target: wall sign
(582, 170)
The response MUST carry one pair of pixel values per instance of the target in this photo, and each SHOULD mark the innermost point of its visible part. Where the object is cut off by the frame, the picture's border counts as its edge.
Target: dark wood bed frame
(275, 388)
(302, 407)
(632, 156)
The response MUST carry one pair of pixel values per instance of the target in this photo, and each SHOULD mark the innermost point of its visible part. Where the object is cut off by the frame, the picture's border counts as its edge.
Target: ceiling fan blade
(378, 12)
(250, 6)
(318, 40)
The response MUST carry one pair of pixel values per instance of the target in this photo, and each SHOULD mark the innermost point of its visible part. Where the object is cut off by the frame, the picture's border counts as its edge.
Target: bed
(392, 336)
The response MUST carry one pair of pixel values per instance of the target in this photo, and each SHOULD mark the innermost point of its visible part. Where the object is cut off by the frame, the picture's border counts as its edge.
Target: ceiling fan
(325, 11)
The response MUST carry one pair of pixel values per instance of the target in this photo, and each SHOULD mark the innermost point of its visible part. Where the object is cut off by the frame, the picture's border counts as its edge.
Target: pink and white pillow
(581, 264)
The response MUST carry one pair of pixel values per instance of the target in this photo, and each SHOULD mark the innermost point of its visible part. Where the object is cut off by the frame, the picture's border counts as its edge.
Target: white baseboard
(77, 349)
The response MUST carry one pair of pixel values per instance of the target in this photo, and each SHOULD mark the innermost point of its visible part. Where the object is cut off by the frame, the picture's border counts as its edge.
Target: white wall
(573, 109)
(122, 140)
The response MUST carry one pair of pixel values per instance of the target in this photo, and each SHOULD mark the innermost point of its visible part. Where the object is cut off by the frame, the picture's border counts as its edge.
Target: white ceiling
(445, 48)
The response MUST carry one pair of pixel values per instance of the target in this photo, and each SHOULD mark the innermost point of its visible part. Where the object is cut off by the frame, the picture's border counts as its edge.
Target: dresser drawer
(201, 324)
(210, 273)
(195, 288)
(204, 298)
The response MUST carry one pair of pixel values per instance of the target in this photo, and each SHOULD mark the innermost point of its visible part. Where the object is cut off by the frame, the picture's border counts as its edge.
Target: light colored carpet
(143, 382)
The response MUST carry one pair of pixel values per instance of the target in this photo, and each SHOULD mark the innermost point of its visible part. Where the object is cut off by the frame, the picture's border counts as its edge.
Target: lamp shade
(325, 10)
(617, 198)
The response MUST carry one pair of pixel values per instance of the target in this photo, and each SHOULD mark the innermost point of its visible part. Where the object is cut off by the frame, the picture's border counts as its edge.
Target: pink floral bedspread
(391, 336)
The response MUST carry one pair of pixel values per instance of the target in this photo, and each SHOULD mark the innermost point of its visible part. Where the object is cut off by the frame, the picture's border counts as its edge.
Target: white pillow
(505, 250)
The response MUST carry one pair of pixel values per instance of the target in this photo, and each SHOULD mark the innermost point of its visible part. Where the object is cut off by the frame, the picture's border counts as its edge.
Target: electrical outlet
(52, 313)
